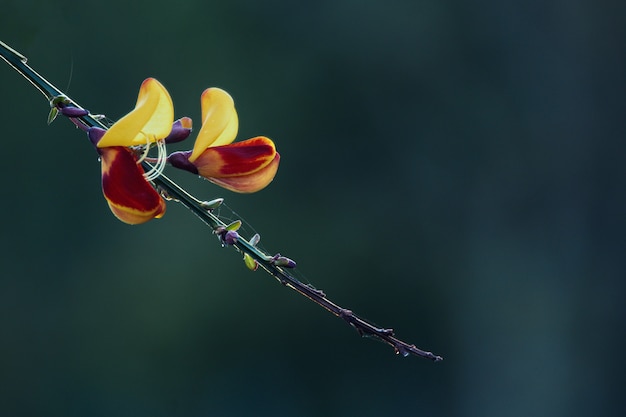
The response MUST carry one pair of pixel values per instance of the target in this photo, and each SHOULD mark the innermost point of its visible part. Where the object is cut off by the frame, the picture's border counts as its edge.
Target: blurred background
(454, 170)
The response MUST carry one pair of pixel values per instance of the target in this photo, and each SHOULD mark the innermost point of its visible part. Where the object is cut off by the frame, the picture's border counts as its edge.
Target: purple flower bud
(181, 129)
(71, 111)
(180, 160)
(229, 237)
(283, 261)
(95, 134)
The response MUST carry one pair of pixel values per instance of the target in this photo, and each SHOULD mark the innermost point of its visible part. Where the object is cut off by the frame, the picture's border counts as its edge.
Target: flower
(245, 166)
(130, 196)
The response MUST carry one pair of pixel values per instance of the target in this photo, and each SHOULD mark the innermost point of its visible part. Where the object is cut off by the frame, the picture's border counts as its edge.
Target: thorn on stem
(400, 350)
(317, 291)
(211, 205)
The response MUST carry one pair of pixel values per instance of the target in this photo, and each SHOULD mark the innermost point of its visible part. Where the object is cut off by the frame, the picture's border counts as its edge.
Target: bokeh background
(452, 169)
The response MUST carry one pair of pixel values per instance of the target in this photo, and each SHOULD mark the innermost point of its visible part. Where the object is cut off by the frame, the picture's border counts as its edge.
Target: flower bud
(251, 264)
(71, 111)
(181, 129)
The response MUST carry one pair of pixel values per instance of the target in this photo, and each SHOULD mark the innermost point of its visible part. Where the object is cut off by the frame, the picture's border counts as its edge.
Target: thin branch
(275, 265)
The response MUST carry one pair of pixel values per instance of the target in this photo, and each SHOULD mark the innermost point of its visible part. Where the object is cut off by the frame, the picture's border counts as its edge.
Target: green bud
(54, 112)
(234, 226)
(59, 100)
(211, 205)
(254, 240)
(250, 262)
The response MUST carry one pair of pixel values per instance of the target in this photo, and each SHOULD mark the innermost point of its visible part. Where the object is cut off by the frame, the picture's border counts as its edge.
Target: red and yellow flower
(246, 166)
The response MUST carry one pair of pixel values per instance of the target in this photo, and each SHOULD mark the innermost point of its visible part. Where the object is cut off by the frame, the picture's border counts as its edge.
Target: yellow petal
(219, 121)
(151, 119)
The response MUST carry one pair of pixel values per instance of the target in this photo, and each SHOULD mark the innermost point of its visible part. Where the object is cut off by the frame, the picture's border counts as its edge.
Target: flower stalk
(277, 265)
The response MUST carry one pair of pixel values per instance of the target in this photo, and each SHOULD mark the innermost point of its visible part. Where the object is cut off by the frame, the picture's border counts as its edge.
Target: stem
(175, 192)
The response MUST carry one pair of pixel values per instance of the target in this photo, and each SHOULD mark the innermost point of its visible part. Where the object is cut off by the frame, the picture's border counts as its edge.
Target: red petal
(131, 198)
(236, 159)
(250, 183)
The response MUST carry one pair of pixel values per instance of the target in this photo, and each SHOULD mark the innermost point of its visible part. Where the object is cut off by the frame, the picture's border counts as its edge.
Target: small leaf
(234, 226)
(54, 112)
(254, 240)
(250, 262)
(211, 205)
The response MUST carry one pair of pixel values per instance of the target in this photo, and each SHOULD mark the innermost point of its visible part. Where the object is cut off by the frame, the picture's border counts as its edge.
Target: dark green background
(452, 169)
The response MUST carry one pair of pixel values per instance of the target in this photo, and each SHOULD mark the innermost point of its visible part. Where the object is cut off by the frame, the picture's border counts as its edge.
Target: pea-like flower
(246, 166)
